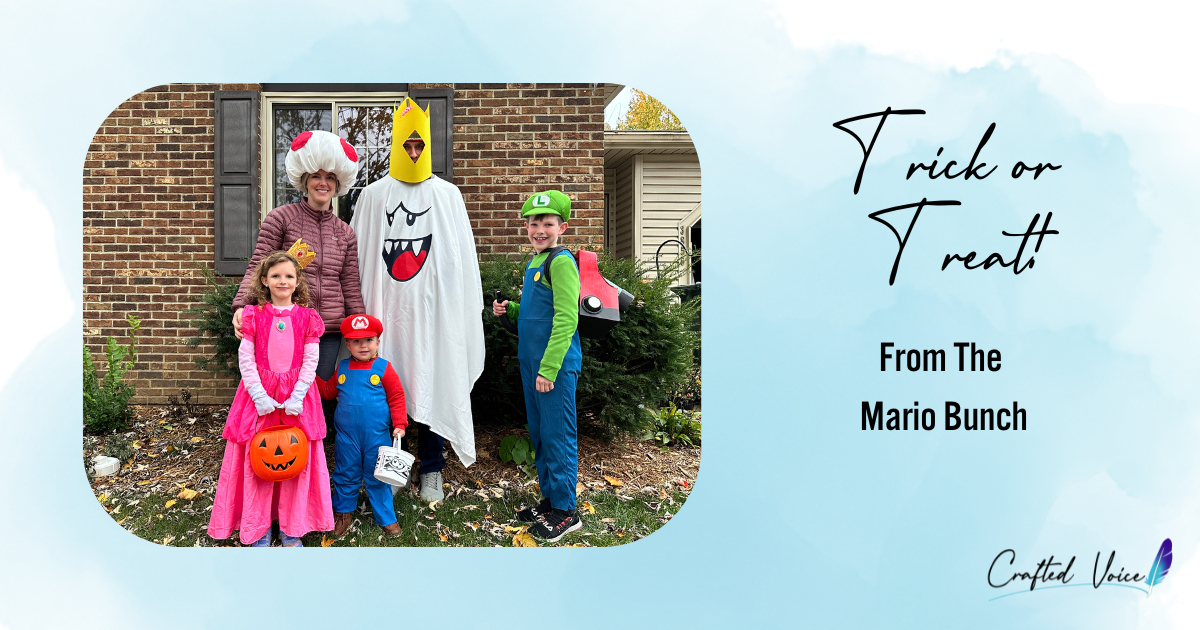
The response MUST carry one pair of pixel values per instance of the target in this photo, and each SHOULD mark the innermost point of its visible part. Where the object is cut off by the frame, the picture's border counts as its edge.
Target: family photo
(391, 315)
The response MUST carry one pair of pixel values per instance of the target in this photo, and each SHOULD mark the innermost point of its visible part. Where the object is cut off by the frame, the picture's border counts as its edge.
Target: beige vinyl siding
(622, 212)
(670, 191)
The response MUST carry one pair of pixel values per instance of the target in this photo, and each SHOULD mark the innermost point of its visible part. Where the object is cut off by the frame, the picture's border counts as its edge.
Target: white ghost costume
(420, 276)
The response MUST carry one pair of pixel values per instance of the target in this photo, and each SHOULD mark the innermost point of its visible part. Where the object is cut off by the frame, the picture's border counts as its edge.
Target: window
(255, 129)
(363, 120)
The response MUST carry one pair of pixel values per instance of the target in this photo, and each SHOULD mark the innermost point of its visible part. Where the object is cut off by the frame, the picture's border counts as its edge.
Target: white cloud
(1107, 39)
(44, 304)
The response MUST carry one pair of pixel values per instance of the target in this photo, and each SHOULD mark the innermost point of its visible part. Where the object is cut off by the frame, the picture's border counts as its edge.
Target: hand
(237, 323)
(397, 432)
(499, 308)
(265, 404)
(543, 384)
(294, 405)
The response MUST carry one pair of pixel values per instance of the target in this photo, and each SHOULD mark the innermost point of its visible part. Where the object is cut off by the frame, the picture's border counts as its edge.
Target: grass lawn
(482, 517)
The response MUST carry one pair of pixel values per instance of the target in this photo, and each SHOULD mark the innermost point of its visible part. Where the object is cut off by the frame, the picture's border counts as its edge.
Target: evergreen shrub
(637, 366)
(106, 399)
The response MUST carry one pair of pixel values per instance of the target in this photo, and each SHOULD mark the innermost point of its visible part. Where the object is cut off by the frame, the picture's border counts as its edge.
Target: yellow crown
(302, 252)
(407, 118)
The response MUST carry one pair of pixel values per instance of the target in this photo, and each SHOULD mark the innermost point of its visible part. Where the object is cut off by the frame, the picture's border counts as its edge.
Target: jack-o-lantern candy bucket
(278, 453)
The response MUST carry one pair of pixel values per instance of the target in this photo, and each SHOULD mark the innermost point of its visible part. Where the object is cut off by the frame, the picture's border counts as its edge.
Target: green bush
(106, 399)
(519, 451)
(671, 425)
(213, 318)
(637, 365)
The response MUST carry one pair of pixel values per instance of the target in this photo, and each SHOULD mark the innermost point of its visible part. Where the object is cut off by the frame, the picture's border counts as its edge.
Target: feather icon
(1158, 570)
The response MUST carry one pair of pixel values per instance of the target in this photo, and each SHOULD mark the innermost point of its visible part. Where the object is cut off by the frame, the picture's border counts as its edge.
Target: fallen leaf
(579, 488)
(103, 498)
(169, 539)
(608, 520)
(682, 482)
(188, 494)
(197, 439)
(326, 541)
(524, 539)
(614, 481)
(621, 534)
(142, 483)
(169, 504)
(662, 494)
(442, 537)
(588, 506)
(509, 529)
(473, 526)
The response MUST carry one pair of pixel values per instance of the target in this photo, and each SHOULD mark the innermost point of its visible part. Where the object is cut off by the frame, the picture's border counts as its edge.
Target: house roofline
(616, 140)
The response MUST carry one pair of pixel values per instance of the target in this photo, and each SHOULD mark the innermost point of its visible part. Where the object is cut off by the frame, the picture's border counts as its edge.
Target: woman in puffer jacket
(321, 165)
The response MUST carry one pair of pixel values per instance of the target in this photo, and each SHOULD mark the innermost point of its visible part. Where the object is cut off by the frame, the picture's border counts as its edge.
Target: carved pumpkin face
(278, 453)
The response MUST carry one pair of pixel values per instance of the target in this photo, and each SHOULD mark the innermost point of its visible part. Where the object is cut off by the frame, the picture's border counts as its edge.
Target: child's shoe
(530, 514)
(265, 541)
(341, 523)
(392, 530)
(292, 541)
(431, 487)
(555, 524)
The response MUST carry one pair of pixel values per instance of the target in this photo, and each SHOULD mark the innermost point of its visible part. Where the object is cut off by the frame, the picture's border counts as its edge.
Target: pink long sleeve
(308, 369)
(249, 366)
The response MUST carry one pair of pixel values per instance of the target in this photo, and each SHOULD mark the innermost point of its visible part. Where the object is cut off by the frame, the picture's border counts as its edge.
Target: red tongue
(407, 265)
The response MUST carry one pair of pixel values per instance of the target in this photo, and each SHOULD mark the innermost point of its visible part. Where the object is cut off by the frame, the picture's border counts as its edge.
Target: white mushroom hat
(314, 151)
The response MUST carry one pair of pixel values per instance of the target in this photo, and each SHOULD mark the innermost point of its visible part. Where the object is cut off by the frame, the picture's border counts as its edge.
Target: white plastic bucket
(393, 464)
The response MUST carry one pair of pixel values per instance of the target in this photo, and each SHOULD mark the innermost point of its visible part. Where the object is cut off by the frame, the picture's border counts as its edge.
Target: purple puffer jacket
(333, 284)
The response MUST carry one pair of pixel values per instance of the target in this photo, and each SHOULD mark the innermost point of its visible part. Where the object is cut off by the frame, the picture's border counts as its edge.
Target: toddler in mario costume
(368, 393)
(550, 358)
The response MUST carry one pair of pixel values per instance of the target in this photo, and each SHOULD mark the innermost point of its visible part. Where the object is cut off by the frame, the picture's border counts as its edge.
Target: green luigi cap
(549, 202)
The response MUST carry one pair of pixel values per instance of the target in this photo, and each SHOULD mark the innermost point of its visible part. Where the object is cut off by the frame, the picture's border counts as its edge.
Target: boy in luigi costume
(369, 393)
(550, 359)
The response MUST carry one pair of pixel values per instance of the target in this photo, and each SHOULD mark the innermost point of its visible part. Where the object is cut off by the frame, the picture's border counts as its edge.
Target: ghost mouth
(404, 257)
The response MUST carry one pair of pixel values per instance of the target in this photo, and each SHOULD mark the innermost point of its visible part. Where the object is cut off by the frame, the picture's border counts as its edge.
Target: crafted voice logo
(1049, 573)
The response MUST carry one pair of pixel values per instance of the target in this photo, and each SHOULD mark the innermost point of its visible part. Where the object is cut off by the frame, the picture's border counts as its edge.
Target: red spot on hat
(301, 140)
(350, 153)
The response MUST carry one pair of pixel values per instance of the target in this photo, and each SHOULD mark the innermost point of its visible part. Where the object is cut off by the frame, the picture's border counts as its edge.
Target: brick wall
(514, 139)
(148, 205)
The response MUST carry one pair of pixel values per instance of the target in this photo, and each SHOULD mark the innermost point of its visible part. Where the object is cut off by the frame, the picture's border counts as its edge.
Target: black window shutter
(441, 126)
(235, 179)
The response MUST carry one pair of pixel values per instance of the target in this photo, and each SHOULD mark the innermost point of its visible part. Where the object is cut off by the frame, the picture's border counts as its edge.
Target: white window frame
(266, 153)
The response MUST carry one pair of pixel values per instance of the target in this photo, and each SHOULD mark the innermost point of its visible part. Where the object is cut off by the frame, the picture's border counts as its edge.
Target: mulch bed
(178, 447)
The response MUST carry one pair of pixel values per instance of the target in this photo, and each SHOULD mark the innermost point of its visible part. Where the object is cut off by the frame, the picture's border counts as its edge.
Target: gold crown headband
(302, 253)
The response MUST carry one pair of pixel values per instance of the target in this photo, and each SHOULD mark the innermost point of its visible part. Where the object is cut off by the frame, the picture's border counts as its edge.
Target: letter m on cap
(359, 323)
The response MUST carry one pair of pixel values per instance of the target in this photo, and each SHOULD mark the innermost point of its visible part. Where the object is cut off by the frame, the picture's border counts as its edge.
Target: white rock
(105, 465)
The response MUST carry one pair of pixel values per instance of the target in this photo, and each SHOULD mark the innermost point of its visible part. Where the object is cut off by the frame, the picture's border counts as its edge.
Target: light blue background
(799, 518)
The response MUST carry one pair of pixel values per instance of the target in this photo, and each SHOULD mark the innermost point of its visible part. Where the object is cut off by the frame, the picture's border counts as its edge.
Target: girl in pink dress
(278, 360)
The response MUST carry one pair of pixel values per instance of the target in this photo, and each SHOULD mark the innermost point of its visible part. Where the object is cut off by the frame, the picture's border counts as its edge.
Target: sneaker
(530, 514)
(555, 524)
(292, 541)
(341, 523)
(265, 541)
(431, 487)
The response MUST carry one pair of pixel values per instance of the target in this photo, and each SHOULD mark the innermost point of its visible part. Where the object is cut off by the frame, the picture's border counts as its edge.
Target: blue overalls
(551, 416)
(363, 425)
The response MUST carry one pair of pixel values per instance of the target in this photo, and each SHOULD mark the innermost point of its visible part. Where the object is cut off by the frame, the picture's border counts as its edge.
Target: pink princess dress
(284, 353)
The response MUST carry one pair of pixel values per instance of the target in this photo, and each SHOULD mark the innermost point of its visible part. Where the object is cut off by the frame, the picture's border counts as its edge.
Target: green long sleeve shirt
(566, 312)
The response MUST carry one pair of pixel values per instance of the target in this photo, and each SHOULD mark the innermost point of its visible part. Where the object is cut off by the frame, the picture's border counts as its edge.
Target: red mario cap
(361, 326)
